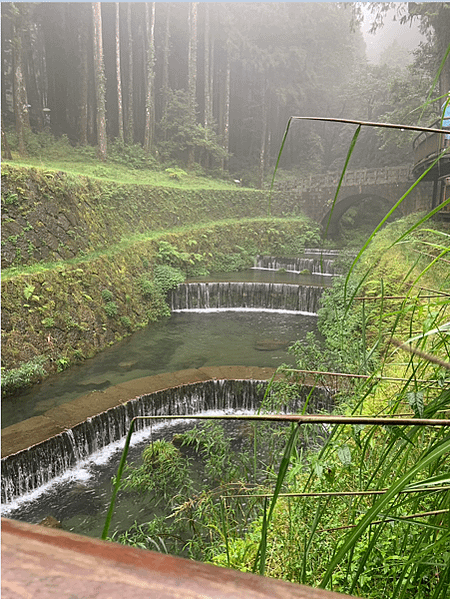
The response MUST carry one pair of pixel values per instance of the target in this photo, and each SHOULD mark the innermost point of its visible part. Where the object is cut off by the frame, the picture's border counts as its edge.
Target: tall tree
(119, 75)
(130, 91)
(207, 73)
(265, 112)
(226, 120)
(165, 63)
(84, 77)
(100, 80)
(20, 96)
(150, 75)
(192, 73)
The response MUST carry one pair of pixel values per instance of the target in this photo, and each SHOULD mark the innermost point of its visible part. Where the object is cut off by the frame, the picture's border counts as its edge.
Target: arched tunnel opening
(359, 213)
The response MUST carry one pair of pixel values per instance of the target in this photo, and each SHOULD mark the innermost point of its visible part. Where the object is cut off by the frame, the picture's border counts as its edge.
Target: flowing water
(221, 322)
(69, 476)
(185, 340)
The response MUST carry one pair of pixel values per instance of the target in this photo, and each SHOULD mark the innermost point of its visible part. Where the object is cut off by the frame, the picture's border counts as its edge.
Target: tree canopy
(198, 83)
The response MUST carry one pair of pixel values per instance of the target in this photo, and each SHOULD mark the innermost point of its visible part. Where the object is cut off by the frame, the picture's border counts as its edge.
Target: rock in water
(50, 522)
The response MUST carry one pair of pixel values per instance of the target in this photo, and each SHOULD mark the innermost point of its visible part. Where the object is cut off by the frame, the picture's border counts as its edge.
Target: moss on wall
(49, 215)
(73, 310)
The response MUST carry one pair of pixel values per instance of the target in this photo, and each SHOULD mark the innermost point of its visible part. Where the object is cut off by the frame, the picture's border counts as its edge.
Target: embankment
(95, 286)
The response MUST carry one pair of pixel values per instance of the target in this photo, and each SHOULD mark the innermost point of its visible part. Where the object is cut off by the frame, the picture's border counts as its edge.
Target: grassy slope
(384, 560)
(56, 310)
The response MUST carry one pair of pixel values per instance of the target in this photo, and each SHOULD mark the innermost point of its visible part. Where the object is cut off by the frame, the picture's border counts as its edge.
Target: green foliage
(62, 363)
(107, 295)
(188, 262)
(176, 173)
(48, 322)
(179, 131)
(26, 375)
(111, 309)
(10, 199)
(154, 295)
(130, 156)
(214, 445)
(163, 470)
(167, 277)
(148, 288)
(126, 322)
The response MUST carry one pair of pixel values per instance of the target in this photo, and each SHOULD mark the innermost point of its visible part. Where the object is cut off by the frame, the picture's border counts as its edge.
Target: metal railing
(428, 145)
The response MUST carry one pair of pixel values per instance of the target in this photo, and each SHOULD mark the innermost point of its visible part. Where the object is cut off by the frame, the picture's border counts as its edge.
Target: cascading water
(321, 264)
(39, 465)
(303, 299)
(32, 468)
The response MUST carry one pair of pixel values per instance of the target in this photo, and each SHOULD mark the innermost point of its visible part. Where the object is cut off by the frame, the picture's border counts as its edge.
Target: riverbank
(79, 258)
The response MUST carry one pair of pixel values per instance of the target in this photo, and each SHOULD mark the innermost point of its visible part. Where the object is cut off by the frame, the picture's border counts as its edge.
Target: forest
(209, 87)
(125, 128)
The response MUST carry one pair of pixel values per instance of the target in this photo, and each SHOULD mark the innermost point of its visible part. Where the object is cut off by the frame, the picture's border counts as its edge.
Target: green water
(186, 340)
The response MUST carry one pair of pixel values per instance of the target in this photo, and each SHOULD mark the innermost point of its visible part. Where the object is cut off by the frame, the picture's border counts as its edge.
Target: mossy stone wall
(65, 313)
(49, 215)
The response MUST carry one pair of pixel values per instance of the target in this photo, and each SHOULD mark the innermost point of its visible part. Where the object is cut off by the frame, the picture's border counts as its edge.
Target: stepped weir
(29, 469)
(317, 264)
(65, 436)
(303, 299)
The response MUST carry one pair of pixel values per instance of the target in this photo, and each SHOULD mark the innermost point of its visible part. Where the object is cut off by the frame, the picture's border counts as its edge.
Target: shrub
(27, 374)
(125, 321)
(111, 309)
(167, 277)
(107, 295)
(163, 469)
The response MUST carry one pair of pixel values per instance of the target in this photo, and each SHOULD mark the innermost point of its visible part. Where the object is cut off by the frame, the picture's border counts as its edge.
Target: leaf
(344, 454)
(426, 461)
(415, 400)
(28, 291)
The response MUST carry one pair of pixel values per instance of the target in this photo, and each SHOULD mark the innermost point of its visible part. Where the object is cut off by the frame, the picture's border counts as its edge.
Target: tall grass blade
(382, 503)
(282, 471)
(347, 159)
(277, 163)
(383, 221)
(123, 460)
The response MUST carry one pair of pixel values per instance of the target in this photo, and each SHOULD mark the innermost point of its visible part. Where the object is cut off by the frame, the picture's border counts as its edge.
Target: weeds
(26, 375)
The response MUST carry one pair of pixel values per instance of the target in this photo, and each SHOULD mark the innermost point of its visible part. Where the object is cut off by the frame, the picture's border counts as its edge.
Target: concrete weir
(41, 449)
(31, 432)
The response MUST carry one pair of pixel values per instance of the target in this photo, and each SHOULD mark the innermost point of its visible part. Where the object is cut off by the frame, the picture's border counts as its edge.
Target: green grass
(128, 242)
(110, 171)
(125, 164)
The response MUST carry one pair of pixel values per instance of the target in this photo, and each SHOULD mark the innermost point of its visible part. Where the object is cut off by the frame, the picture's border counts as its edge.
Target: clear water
(258, 275)
(186, 340)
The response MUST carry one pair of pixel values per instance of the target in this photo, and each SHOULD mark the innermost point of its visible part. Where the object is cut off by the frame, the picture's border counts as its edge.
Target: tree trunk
(6, 152)
(165, 66)
(130, 95)
(84, 87)
(207, 87)
(100, 80)
(192, 73)
(206, 84)
(119, 76)
(226, 123)
(262, 154)
(20, 103)
(150, 61)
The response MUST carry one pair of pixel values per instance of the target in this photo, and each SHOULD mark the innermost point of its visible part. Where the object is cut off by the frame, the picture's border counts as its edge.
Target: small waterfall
(320, 264)
(323, 252)
(28, 470)
(267, 296)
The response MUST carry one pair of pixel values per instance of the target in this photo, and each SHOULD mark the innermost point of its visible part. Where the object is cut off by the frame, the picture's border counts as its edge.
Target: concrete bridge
(378, 188)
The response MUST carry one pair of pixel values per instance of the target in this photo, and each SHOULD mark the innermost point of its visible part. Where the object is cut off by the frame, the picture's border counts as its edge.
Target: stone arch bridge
(378, 188)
